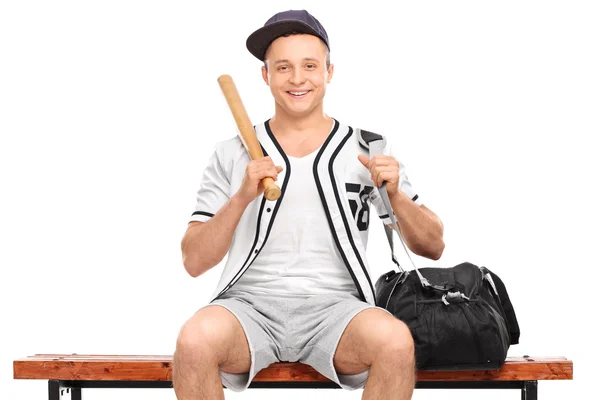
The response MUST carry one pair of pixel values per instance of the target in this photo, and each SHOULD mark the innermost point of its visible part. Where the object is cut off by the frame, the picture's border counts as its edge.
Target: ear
(330, 73)
(265, 75)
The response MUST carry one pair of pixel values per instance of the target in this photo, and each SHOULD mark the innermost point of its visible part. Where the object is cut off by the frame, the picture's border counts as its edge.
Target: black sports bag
(461, 318)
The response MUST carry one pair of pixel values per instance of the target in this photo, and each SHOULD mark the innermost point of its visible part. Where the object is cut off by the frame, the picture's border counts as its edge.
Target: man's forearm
(204, 245)
(421, 229)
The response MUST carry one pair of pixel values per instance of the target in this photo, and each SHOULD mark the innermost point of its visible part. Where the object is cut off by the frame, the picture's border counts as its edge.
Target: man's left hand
(383, 168)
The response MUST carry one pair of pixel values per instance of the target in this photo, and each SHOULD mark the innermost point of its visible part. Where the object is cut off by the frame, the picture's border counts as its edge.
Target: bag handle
(376, 147)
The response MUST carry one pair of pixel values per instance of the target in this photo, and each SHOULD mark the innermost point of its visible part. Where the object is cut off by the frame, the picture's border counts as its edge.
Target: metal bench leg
(56, 391)
(75, 393)
(53, 390)
(529, 390)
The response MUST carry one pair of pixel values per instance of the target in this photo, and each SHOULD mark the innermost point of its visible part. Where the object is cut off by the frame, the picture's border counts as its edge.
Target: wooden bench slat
(96, 357)
(169, 358)
(158, 368)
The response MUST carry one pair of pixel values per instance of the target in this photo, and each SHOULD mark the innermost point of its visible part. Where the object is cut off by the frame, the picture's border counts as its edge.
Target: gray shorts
(293, 329)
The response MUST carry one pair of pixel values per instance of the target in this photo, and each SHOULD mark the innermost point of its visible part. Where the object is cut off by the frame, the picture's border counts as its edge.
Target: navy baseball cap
(281, 23)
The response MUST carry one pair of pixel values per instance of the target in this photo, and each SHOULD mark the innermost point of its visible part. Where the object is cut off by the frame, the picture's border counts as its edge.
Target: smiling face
(297, 74)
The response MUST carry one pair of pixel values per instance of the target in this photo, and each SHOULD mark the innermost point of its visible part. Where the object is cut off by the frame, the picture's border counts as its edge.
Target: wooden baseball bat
(246, 130)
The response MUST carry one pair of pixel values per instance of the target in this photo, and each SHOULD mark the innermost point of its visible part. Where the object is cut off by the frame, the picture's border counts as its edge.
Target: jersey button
(268, 210)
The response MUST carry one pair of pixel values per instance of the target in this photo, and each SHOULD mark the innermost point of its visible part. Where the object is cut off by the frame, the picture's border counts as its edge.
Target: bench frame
(58, 389)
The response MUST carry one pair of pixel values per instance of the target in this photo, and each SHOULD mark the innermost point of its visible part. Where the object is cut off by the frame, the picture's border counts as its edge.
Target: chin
(298, 112)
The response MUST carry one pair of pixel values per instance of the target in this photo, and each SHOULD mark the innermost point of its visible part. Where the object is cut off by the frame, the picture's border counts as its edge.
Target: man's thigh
(362, 339)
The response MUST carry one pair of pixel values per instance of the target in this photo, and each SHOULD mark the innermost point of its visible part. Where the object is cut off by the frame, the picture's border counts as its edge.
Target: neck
(285, 123)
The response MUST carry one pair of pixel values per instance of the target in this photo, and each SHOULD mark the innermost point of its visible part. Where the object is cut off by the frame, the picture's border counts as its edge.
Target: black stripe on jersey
(203, 213)
(329, 220)
(415, 198)
(339, 203)
(235, 277)
(239, 274)
(260, 211)
(283, 185)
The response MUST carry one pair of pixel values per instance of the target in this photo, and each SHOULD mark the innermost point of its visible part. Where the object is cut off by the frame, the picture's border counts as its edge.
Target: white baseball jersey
(343, 185)
(300, 257)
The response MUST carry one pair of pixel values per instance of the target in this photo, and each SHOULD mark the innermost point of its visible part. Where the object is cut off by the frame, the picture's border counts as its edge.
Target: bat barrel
(247, 133)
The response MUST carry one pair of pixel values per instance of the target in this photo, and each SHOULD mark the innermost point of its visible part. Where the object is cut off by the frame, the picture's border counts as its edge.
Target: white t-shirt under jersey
(300, 257)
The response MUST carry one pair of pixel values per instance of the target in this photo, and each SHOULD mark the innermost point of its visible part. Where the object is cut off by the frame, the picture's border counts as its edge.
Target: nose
(297, 78)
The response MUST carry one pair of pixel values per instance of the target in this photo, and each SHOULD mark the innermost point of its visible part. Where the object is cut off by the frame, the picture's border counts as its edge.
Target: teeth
(298, 93)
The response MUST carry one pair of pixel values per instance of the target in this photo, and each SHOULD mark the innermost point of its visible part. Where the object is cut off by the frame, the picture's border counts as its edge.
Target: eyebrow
(304, 59)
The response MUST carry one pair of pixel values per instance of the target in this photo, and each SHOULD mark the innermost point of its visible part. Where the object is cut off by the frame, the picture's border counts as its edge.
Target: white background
(109, 111)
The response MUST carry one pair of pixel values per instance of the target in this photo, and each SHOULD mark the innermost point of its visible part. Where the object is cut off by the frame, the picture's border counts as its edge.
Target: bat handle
(272, 191)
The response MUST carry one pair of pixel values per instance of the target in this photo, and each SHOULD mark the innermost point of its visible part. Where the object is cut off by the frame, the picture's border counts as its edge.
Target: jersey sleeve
(405, 186)
(214, 190)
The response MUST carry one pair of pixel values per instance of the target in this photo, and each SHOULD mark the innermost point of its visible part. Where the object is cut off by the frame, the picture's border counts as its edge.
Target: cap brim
(258, 42)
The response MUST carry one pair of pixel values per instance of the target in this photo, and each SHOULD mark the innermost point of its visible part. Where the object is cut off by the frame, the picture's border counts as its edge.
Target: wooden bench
(69, 373)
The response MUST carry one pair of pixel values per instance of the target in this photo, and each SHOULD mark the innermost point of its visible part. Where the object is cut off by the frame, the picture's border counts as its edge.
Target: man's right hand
(256, 171)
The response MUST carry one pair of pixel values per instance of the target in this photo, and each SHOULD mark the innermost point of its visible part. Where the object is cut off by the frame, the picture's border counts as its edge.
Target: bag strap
(376, 147)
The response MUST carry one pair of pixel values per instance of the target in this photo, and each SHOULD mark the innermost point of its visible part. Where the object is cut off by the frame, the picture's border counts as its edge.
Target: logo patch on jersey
(357, 196)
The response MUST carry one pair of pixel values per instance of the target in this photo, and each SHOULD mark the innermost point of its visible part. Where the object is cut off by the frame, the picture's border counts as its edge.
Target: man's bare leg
(374, 339)
(210, 340)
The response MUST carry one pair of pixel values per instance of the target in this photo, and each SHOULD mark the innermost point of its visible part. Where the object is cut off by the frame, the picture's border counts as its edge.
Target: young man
(296, 284)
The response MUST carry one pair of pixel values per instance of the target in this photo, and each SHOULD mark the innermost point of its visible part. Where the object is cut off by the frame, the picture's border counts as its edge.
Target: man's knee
(394, 341)
(206, 336)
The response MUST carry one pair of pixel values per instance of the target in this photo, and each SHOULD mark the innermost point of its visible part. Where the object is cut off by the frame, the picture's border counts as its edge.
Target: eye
(282, 68)
(311, 66)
